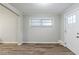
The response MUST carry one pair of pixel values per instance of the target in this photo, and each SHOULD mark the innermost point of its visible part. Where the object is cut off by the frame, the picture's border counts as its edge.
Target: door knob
(77, 36)
(77, 33)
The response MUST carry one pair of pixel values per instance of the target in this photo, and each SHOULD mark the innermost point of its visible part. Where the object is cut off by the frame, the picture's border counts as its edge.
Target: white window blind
(41, 22)
(35, 22)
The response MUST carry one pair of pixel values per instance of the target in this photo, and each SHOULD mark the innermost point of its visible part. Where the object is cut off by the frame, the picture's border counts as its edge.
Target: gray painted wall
(42, 34)
(8, 26)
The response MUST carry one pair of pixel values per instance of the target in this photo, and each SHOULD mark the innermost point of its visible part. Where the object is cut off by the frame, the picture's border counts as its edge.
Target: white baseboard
(43, 42)
(62, 43)
(10, 42)
(19, 43)
(73, 50)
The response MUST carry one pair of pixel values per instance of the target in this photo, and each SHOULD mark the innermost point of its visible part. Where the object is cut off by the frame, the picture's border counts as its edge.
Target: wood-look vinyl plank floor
(34, 49)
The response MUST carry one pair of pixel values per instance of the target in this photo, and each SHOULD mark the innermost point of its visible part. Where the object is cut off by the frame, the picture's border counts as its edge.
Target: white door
(72, 32)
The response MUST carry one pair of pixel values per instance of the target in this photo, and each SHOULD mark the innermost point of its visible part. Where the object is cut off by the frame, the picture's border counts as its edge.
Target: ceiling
(39, 8)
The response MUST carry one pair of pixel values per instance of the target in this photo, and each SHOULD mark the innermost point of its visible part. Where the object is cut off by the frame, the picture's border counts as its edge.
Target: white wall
(72, 44)
(62, 27)
(41, 34)
(62, 30)
(8, 25)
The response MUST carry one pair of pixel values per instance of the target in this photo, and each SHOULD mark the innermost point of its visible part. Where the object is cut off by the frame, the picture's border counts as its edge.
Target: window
(46, 22)
(35, 22)
(71, 19)
(41, 22)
